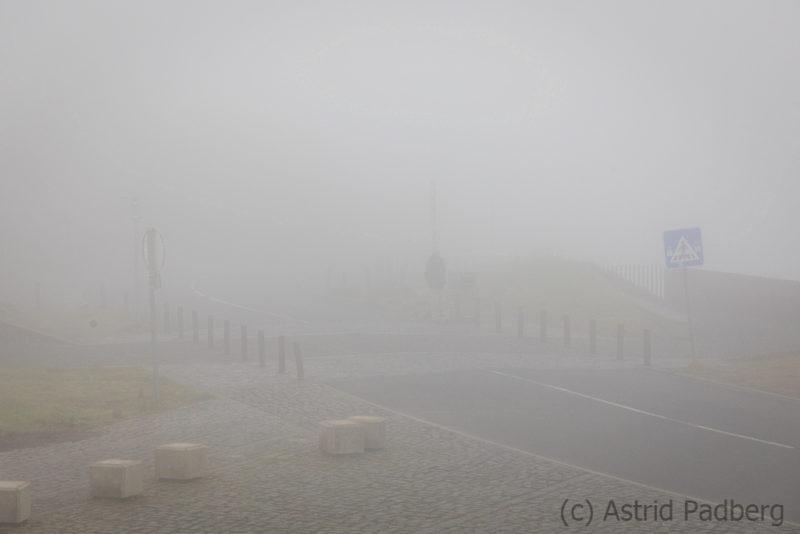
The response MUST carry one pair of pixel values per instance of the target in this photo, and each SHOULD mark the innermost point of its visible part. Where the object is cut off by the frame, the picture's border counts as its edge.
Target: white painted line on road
(219, 301)
(643, 412)
(241, 307)
(529, 453)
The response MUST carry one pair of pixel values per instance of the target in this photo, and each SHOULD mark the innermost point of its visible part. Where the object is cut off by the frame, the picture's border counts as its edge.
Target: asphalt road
(684, 435)
(676, 433)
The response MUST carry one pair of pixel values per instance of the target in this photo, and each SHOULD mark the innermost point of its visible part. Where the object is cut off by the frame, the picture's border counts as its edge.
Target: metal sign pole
(153, 250)
(688, 312)
(153, 335)
(682, 249)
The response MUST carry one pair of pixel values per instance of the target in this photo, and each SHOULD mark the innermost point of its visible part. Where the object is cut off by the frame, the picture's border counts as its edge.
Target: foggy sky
(264, 133)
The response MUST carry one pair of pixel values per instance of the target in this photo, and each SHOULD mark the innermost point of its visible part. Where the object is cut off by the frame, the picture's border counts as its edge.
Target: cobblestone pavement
(267, 474)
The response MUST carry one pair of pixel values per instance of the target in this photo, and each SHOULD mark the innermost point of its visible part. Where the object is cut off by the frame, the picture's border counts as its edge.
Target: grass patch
(778, 374)
(55, 399)
(78, 325)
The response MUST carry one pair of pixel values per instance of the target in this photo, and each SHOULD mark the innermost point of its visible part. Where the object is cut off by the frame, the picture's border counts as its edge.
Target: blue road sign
(683, 248)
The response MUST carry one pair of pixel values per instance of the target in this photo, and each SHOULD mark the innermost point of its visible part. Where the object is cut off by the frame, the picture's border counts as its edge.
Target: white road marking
(241, 307)
(643, 412)
(528, 453)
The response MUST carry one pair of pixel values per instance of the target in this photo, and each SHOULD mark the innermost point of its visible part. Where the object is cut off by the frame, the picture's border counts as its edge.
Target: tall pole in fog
(435, 272)
(135, 218)
(434, 229)
(153, 252)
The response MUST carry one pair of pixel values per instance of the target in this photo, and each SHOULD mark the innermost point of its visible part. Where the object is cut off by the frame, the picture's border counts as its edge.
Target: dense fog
(301, 138)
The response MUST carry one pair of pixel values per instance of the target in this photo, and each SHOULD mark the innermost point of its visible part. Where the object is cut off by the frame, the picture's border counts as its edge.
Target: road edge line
(532, 454)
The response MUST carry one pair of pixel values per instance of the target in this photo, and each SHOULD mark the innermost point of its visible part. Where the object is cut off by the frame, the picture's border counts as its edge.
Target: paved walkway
(267, 474)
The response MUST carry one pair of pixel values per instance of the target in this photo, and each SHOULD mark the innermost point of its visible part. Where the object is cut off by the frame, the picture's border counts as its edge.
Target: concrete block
(116, 479)
(341, 437)
(181, 461)
(15, 501)
(374, 430)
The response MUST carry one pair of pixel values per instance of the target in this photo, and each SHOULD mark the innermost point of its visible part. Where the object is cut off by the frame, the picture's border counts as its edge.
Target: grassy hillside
(578, 289)
(557, 285)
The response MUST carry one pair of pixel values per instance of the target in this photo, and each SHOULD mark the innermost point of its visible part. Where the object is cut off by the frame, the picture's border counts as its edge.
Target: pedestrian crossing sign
(683, 248)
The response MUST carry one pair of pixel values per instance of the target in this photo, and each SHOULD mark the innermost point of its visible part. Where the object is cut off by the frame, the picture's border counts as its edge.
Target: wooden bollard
(620, 340)
(281, 354)
(210, 331)
(166, 318)
(592, 336)
(520, 321)
(226, 337)
(566, 332)
(298, 358)
(244, 343)
(543, 326)
(180, 322)
(262, 349)
(498, 319)
(195, 328)
(646, 346)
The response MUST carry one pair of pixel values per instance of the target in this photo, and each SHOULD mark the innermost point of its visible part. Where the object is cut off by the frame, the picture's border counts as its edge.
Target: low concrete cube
(340, 436)
(15, 501)
(374, 430)
(181, 461)
(116, 479)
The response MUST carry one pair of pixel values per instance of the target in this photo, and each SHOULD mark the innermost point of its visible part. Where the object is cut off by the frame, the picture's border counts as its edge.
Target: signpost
(684, 248)
(435, 271)
(154, 254)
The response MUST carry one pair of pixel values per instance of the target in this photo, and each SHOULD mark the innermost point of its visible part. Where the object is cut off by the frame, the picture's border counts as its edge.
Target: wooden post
(520, 321)
(620, 340)
(498, 319)
(646, 347)
(262, 356)
(195, 328)
(281, 354)
(210, 331)
(592, 336)
(226, 337)
(298, 358)
(566, 332)
(244, 343)
(543, 326)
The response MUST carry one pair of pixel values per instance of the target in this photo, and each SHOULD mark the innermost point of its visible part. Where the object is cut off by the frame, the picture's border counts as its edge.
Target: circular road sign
(153, 250)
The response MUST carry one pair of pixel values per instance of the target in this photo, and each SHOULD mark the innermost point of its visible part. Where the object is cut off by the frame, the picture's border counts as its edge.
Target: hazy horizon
(301, 133)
